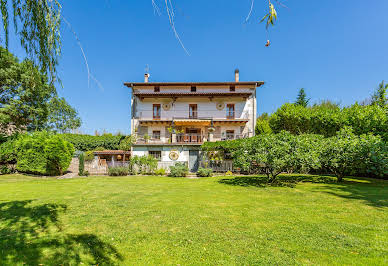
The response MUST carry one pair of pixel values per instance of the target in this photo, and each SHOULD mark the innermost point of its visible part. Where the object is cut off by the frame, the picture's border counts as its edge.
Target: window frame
(193, 89)
(156, 89)
(152, 153)
(229, 133)
(154, 133)
(159, 111)
(193, 114)
(229, 114)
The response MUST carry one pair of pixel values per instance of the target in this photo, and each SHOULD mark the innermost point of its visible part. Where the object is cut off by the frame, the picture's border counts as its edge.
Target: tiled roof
(169, 94)
(112, 152)
(146, 84)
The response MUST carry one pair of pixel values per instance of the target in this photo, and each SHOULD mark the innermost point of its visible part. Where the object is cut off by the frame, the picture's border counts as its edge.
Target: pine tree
(380, 95)
(302, 98)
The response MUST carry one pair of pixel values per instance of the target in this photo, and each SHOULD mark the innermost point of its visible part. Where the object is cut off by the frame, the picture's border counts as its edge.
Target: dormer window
(193, 89)
(232, 88)
(156, 89)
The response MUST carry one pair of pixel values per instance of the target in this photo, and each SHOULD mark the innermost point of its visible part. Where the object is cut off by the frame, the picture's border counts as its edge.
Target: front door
(193, 161)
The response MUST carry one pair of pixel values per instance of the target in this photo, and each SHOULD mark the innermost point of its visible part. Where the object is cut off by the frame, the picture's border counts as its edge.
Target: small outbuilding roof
(112, 152)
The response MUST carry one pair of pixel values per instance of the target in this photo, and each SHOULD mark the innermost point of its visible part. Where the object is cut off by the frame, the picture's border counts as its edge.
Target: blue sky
(336, 50)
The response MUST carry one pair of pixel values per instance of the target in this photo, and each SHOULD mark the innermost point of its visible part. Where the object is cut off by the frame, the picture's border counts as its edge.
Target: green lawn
(218, 220)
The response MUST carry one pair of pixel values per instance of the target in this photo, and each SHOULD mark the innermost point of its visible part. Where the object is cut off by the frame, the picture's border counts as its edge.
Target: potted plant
(146, 138)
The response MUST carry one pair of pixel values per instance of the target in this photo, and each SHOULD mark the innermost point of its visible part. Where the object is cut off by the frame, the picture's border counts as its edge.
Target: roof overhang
(147, 84)
(191, 94)
(112, 152)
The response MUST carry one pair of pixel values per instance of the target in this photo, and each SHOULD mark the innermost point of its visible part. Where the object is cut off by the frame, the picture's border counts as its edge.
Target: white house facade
(171, 120)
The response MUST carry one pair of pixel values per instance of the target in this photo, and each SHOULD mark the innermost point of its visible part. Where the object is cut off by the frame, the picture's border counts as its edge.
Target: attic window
(156, 89)
(232, 88)
(193, 89)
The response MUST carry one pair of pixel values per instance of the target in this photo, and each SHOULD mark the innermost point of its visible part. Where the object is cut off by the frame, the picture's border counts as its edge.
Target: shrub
(262, 125)
(59, 154)
(179, 170)
(127, 142)
(89, 156)
(349, 154)
(90, 143)
(81, 166)
(204, 172)
(160, 171)
(143, 164)
(118, 171)
(7, 151)
(43, 153)
(327, 119)
(5, 170)
(229, 173)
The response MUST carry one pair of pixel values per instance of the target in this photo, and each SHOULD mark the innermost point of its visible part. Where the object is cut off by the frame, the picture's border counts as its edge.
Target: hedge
(89, 143)
(328, 120)
(43, 153)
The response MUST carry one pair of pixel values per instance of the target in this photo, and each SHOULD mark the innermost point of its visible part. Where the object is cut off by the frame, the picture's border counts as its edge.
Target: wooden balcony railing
(189, 138)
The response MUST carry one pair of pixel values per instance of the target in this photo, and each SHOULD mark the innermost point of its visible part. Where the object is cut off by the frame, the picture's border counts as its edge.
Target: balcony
(188, 139)
(176, 115)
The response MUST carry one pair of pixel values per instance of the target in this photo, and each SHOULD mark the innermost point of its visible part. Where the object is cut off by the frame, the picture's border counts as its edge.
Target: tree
(28, 101)
(278, 153)
(340, 153)
(302, 98)
(380, 95)
(62, 117)
(127, 142)
(262, 125)
(37, 25)
(24, 93)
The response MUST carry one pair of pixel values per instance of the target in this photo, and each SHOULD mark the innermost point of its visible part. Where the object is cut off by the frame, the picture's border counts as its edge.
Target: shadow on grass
(371, 191)
(32, 235)
(256, 181)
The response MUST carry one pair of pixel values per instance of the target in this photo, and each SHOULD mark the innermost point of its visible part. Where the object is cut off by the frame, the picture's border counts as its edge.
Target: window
(232, 88)
(193, 111)
(156, 154)
(156, 111)
(230, 134)
(156, 89)
(230, 111)
(156, 134)
(193, 89)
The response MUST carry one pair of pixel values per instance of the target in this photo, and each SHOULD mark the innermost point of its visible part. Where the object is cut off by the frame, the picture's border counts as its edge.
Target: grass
(219, 220)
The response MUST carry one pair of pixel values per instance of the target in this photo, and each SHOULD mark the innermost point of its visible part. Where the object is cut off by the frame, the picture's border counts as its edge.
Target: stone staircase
(191, 176)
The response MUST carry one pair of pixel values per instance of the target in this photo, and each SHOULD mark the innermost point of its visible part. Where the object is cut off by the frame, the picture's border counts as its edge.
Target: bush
(89, 156)
(90, 143)
(204, 172)
(81, 166)
(179, 170)
(8, 152)
(43, 153)
(349, 154)
(5, 170)
(327, 119)
(118, 171)
(262, 125)
(143, 164)
(229, 173)
(160, 171)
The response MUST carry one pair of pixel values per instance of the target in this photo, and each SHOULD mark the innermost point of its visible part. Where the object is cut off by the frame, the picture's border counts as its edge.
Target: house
(172, 119)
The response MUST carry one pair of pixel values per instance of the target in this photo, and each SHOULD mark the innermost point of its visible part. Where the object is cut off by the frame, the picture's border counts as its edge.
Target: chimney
(146, 77)
(237, 75)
